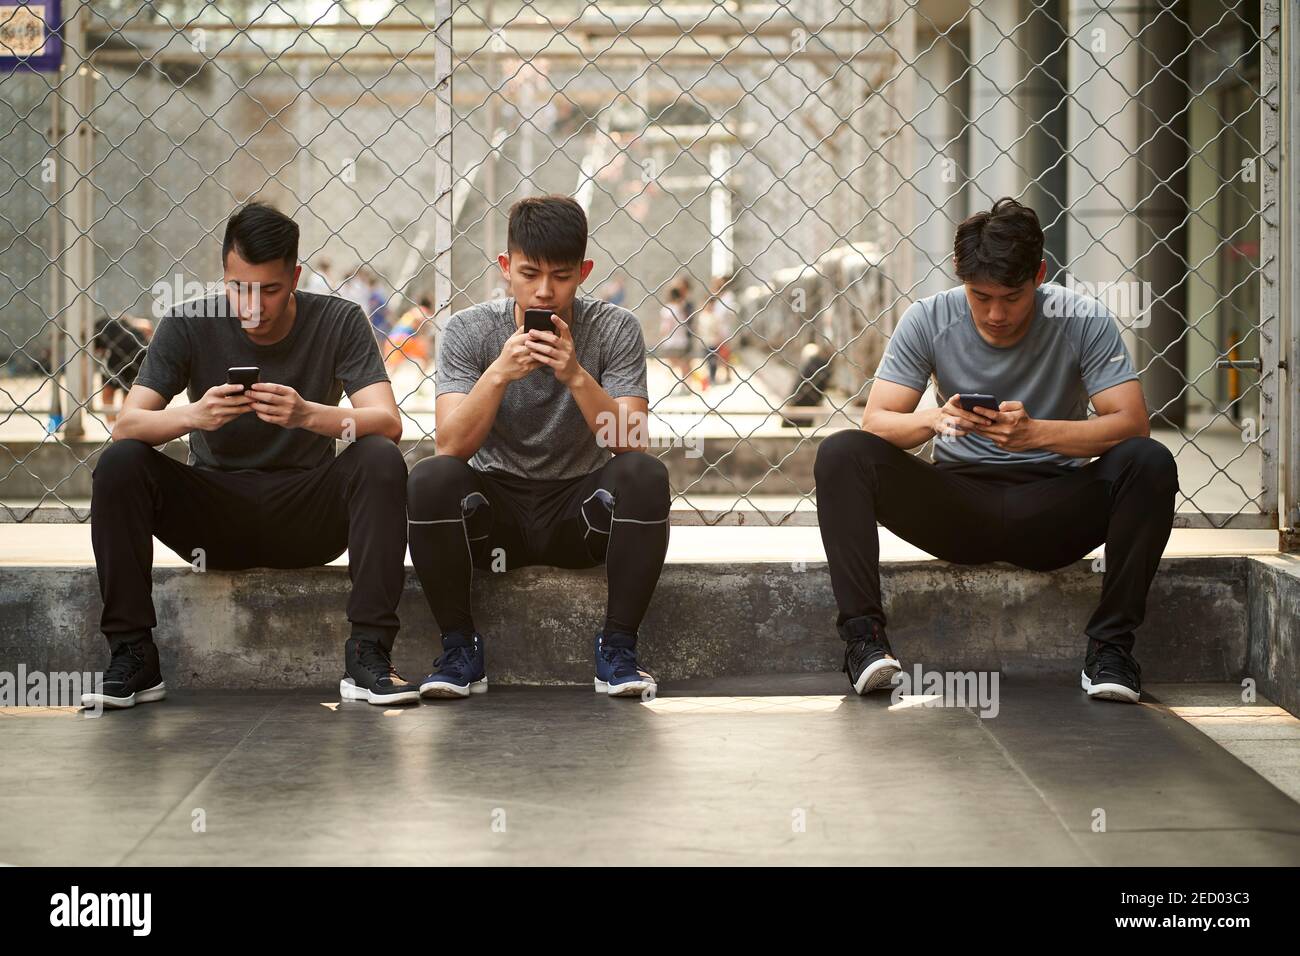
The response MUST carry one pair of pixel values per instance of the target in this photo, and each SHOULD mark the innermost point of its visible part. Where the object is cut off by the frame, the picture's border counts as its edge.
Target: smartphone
(976, 399)
(244, 375)
(539, 319)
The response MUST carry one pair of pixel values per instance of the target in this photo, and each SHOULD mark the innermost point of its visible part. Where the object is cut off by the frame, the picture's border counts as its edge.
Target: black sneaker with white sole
(133, 677)
(868, 659)
(1111, 673)
(371, 676)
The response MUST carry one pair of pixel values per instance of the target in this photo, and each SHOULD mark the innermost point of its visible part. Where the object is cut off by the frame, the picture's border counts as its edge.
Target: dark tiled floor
(706, 773)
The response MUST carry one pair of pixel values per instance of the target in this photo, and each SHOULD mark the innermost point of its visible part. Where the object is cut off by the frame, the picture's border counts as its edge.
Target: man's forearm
(600, 411)
(1088, 438)
(153, 427)
(903, 429)
(352, 423)
(465, 429)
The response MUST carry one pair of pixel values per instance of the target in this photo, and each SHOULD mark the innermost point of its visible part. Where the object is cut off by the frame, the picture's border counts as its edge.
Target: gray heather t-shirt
(539, 430)
(1072, 351)
(331, 348)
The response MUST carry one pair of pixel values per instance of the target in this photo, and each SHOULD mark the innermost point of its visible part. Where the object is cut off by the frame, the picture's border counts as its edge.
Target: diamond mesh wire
(800, 164)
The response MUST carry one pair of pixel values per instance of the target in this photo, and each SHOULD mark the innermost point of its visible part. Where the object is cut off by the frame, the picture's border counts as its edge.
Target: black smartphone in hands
(244, 375)
(539, 319)
(979, 400)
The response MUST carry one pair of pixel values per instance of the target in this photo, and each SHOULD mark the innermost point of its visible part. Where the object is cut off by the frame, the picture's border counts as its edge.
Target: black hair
(261, 233)
(550, 229)
(1003, 245)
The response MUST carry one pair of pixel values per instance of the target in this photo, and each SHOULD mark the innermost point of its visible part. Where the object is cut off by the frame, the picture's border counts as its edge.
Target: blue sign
(29, 36)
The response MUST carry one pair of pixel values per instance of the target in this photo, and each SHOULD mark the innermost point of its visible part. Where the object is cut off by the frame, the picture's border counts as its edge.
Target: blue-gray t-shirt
(1072, 351)
(330, 349)
(539, 430)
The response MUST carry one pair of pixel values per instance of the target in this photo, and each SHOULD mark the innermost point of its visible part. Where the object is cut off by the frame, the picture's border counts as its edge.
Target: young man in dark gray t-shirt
(262, 487)
(541, 452)
(1017, 482)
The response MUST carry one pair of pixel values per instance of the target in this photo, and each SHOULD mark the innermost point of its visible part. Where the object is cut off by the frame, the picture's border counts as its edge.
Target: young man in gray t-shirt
(541, 439)
(263, 486)
(1031, 480)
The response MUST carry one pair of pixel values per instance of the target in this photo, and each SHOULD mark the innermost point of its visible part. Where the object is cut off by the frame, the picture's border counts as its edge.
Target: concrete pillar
(1103, 174)
(1163, 209)
(1043, 97)
(940, 157)
(998, 66)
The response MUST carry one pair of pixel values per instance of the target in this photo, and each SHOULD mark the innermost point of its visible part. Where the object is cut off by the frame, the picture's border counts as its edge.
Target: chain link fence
(796, 168)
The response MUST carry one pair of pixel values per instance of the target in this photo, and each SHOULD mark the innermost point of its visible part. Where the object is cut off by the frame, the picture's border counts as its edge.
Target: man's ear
(297, 274)
(1042, 273)
(503, 262)
(585, 270)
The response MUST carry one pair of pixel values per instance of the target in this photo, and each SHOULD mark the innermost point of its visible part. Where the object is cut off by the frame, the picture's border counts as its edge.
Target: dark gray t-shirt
(539, 430)
(331, 348)
(1072, 351)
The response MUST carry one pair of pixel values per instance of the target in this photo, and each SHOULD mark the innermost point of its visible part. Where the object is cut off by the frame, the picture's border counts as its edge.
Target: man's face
(259, 294)
(1002, 313)
(543, 285)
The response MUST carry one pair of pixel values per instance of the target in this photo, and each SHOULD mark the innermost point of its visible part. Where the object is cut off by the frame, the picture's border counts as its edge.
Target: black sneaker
(868, 659)
(371, 677)
(133, 677)
(1111, 673)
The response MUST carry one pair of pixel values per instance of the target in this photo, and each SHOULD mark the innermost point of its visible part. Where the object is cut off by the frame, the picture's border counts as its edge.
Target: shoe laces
(126, 660)
(455, 660)
(858, 650)
(622, 660)
(1117, 662)
(375, 660)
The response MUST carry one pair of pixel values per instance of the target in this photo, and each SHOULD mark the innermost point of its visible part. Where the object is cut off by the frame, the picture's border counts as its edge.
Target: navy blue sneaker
(459, 671)
(616, 672)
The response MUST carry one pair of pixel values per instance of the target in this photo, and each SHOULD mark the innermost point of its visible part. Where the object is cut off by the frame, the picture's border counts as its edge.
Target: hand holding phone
(955, 419)
(244, 375)
(979, 400)
(219, 405)
(539, 320)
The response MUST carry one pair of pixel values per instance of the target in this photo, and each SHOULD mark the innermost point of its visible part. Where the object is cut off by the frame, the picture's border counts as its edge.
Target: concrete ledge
(1273, 587)
(268, 629)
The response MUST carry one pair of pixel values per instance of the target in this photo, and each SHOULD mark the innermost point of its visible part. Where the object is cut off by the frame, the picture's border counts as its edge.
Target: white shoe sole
(107, 701)
(1110, 691)
(877, 674)
(349, 690)
(445, 689)
(634, 688)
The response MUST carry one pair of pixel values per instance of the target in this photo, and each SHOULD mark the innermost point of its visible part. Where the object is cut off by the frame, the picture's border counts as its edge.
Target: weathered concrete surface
(712, 772)
(1274, 610)
(263, 629)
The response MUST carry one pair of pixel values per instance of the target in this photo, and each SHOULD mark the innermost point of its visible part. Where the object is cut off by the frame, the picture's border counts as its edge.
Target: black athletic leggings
(461, 518)
(1039, 517)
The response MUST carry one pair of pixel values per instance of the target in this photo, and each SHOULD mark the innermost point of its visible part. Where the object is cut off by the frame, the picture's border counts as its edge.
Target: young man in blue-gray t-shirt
(1035, 481)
